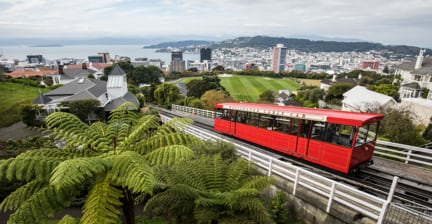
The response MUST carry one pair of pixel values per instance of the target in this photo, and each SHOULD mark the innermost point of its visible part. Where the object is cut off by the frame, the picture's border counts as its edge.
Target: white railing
(404, 153)
(399, 152)
(333, 191)
(195, 111)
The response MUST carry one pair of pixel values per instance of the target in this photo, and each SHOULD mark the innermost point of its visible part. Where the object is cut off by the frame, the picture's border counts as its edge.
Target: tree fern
(102, 202)
(159, 141)
(42, 204)
(15, 199)
(133, 171)
(74, 171)
(169, 155)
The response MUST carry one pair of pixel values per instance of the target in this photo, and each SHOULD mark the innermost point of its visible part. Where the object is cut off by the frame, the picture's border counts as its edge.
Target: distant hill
(304, 45)
(181, 44)
(315, 46)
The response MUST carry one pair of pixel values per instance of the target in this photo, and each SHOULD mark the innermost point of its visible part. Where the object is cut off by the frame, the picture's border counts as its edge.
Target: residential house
(361, 99)
(326, 83)
(70, 73)
(417, 78)
(110, 94)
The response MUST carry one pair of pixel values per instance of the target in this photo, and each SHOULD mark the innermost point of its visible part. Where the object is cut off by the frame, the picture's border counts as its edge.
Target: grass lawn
(310, 82)
(12, 95)
(248, 88)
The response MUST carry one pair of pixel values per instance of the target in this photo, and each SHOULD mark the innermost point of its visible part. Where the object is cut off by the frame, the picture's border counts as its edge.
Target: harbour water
(83, 51)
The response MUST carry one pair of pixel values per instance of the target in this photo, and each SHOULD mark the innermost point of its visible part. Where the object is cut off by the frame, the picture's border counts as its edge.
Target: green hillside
(12, 95)
(248, 88)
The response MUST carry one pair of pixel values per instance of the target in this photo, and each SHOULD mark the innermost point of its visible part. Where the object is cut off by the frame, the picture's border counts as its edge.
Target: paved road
(17, 131)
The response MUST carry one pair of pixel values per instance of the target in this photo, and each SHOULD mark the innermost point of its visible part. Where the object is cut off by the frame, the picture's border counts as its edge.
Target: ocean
(83, 51)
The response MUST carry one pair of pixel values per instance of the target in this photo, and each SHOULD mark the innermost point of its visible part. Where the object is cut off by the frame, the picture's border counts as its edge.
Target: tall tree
(198, 87)
(211, 190)
(213, 97)
(145, 75)
(267, 96)
(166, 94)
(83, 109)
(116, 160)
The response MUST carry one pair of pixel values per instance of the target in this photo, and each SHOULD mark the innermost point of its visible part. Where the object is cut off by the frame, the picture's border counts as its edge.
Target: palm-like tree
(211, 190)
(116, 159)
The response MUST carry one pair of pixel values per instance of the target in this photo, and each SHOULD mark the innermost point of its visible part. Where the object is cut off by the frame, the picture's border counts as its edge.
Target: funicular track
(371, 181)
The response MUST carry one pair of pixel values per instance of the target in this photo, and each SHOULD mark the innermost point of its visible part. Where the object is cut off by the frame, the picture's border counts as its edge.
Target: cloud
(387, 21)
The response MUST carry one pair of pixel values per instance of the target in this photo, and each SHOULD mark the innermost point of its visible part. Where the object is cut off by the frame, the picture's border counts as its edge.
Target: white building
(361, 99)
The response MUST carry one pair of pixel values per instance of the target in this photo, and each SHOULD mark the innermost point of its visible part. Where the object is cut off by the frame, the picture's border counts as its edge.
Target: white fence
(368, 205)
(399, 152)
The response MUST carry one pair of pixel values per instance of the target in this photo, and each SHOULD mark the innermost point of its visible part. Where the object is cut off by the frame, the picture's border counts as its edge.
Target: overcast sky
(385, 21)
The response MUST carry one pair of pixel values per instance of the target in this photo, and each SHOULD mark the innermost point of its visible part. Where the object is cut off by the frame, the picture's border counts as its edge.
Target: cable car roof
(323, 115)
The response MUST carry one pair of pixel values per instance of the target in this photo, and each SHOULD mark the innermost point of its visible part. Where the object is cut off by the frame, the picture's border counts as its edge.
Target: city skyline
(387, 22)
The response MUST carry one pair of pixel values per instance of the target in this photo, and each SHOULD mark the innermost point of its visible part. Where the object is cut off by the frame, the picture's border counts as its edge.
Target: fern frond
(159, 141)
(42, 204)
(16, 198)
(215, 171)
(174, 125)
(102, 203)
(141, 131)
(74, 171)
(237, 172)
(132, 170)
(255, 209)
(169, 155)
(258, 182)
(26, 169)
(67, 219)
(174, 195)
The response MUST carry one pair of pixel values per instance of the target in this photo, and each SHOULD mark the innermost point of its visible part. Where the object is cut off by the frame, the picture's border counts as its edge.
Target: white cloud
(387, 21)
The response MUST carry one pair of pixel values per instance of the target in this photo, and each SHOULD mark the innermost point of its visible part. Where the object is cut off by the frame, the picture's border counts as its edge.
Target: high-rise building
(177, 63)
(205, 54)
(370, 64)
(35, 59)
(278, 59)
(176, 56)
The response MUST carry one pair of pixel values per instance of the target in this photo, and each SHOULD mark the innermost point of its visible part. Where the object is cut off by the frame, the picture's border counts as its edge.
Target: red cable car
(340, 140)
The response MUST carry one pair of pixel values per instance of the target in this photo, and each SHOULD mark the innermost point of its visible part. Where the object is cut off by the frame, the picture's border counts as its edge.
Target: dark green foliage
(279, 209)
(209, 148)
(28, 114)
(386, 89)
(145, 75)
(166, 94)
(148, 93)
(337, 90)
(198, 87)
(211, 190)
(424, 93)
(83, 108)
(398, 126)
(427, 133)
(267, 96)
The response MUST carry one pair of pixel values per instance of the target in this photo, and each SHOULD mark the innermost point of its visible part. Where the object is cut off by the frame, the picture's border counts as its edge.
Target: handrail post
(296, 180)
(408, 157)
(388, 201)
(330, 201)
(270, 167)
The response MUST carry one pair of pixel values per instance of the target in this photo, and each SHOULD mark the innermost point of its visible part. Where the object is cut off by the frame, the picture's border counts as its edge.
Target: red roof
(29, 73)
(325, 115)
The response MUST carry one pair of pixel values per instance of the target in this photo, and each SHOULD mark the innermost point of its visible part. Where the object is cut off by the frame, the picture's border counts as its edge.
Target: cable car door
(303, 138)
(233, 122)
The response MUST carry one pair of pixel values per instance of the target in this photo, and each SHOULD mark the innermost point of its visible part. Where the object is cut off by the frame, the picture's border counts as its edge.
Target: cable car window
(233, 115)
(318, 130)
(241, 117)
(252, 119)
(264, 121)
(367, 133)
(344, 135)
(294, 125)
(372, 132)
(305, 126)
(223, 114)
(282, 124)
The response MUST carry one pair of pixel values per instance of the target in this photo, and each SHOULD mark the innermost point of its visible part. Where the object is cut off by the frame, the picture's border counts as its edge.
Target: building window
(417, 77)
